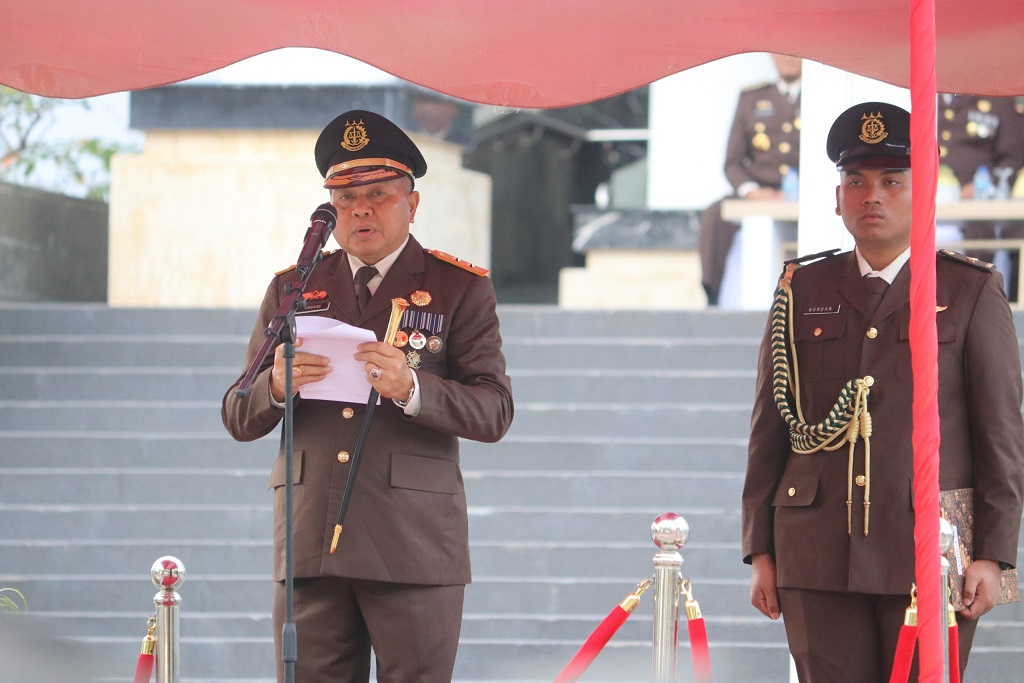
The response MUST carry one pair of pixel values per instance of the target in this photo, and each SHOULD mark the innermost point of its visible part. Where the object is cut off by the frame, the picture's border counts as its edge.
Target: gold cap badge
(872, 131)
(355, 136)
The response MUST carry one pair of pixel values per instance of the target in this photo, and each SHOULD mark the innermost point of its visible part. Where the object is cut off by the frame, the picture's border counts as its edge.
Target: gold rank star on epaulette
(967, 260)
(456, 261)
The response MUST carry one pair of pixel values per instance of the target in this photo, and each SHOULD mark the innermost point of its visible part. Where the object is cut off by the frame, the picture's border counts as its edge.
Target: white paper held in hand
(338, 341)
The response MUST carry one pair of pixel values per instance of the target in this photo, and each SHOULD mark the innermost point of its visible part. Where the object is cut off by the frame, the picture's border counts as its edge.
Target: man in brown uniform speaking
(829, 530)
(397, 579)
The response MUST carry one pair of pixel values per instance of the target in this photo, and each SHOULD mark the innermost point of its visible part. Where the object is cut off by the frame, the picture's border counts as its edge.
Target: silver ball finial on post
(167, 574)
(670, 532)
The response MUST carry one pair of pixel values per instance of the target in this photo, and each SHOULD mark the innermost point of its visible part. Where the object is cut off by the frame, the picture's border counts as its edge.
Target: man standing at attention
(828, 525)
(397, 579)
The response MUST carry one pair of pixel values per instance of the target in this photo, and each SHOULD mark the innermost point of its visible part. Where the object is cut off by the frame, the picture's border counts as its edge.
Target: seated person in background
(764, 144)
(983, 131)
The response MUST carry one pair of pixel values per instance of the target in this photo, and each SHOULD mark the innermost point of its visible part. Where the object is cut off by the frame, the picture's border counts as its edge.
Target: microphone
(321, 224)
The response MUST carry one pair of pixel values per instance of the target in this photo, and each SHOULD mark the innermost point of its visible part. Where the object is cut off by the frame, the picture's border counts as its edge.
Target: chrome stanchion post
(670, 533)
(167, 574)
(945, 543)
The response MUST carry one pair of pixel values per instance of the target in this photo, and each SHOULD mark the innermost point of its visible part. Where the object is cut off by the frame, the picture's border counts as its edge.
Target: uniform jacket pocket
(819, 341)
(277, 471)
(796, 491)
(421, 473)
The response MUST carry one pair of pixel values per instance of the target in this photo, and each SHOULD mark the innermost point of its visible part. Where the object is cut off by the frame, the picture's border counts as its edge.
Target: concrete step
(68, 589)
(97, 319)
(38, 383)
(226, 351)
(245, 521)
(53, 448)
(248, 660)
(476, 626)
(46, 448)
(535, 419)
(534, 559)
(529, 321)
(84, 485)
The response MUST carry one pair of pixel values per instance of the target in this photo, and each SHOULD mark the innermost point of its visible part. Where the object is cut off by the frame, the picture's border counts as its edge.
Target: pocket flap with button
(796, 491)
(277, 471)
(819, 328)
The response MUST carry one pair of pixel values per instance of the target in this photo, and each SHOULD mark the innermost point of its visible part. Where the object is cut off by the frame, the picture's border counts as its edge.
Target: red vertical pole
(924, 341)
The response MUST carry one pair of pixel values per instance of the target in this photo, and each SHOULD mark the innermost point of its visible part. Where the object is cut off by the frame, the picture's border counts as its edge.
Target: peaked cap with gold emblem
(361, 147)
(870, 135)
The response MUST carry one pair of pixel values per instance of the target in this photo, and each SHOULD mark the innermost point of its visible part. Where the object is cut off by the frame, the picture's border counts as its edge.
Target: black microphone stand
(282, 329)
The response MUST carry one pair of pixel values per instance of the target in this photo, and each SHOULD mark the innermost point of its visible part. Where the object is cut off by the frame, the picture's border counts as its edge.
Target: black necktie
(876, 287)
(363, 277)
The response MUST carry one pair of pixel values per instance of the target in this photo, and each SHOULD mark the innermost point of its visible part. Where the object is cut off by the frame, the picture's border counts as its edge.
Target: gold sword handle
(398, 306)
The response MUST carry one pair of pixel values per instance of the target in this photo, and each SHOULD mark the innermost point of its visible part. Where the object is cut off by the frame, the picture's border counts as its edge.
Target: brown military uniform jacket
(980, 131)
(764, 141)
(406, 521)
(794, 506)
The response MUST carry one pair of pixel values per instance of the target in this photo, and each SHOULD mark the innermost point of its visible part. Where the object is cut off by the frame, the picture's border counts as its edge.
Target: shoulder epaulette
(323, 255)
(456, 261)
(757, 86)
(967, 260)
(812, 257)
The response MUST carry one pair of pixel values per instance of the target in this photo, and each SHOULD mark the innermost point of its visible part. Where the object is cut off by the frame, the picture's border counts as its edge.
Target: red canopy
(529, 53)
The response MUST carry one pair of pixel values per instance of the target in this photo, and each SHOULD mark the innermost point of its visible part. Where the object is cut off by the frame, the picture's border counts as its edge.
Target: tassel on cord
(698, 637)
(144, 669)
(601, 635)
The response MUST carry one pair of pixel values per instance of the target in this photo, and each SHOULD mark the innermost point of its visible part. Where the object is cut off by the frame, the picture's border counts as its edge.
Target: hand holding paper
(338, 341)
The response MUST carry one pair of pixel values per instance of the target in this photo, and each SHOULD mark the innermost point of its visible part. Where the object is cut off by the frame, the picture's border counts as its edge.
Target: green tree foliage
(30, 156)
(8, 603)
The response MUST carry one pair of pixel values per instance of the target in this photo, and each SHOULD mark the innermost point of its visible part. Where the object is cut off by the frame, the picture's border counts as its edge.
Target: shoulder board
(456, 261)
(757, 86)
(967, 260)
(812, 257)
(323, 255)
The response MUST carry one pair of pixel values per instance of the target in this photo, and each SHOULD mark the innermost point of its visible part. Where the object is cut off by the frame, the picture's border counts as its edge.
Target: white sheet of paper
(338, 341)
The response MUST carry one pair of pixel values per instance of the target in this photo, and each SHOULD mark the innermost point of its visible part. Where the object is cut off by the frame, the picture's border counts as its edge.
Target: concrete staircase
(113, 455)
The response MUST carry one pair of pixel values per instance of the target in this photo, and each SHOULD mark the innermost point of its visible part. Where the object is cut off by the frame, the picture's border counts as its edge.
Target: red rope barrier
(905, 645)
(601, 635)
(904, 654)
(908, 639)
(698, 637)
(144, 669)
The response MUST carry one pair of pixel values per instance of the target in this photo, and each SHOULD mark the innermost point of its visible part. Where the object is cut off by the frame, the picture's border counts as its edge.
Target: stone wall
(206, 217)
(52, 247)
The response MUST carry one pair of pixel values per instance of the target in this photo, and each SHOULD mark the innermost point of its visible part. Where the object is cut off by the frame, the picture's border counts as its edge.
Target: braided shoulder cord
(852, 401)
